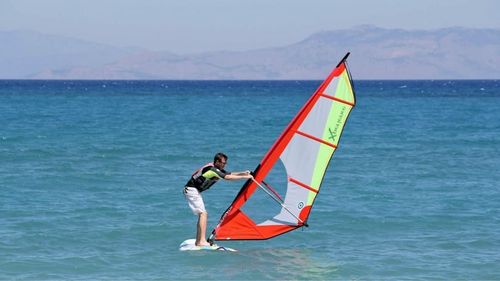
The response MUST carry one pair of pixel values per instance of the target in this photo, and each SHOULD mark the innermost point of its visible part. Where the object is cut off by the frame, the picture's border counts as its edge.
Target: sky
(193, 26)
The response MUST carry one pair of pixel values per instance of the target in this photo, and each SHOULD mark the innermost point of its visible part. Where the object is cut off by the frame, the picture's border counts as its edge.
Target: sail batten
(316, 139)
(301, 184)
(337, 99)
(304, 149)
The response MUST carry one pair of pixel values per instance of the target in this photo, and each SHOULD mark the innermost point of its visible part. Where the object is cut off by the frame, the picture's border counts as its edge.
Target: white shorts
(195, 200)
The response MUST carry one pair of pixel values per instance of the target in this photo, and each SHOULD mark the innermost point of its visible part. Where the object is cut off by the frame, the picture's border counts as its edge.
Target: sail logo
(337, 126)
(300, 205)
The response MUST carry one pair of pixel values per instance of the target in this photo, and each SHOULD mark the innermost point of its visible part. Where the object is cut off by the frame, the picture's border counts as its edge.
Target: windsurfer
(202, 180)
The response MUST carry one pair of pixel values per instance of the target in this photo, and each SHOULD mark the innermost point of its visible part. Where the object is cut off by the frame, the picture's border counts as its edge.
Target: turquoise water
(91, 174)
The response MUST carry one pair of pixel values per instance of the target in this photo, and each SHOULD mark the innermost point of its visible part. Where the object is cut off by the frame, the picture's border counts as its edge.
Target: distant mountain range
(376, 53)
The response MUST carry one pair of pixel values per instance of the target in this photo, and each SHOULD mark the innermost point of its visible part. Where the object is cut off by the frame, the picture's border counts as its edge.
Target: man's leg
(201, 230)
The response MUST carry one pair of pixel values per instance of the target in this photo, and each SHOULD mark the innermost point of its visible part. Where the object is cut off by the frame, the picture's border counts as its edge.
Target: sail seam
(301, 184)
(316, 139)
(337, 99)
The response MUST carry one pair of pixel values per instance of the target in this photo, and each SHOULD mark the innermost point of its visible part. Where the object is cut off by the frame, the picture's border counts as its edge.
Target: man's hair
(219, 156)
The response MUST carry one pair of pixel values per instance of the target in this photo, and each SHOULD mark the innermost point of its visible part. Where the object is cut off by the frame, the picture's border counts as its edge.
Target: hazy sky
(187, 26)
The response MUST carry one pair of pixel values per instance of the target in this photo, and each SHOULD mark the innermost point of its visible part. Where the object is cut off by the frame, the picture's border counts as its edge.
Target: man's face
(220, 163)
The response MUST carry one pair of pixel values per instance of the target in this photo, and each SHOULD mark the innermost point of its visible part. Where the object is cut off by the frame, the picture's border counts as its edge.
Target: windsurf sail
(305, 149)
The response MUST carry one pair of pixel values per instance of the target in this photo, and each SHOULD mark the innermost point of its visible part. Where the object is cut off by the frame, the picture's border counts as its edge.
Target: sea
(91, 178)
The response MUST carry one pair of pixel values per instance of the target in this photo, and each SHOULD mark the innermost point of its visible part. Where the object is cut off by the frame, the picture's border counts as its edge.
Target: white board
(189, 245)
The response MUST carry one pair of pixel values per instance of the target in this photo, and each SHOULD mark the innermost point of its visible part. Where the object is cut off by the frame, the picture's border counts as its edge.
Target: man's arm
(238, 176)
(240, 173)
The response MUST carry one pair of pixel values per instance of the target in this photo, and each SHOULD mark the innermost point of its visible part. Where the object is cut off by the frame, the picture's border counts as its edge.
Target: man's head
(220, 160)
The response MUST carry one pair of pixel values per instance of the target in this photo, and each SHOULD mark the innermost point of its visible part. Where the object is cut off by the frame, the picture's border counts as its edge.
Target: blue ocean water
(91, 174)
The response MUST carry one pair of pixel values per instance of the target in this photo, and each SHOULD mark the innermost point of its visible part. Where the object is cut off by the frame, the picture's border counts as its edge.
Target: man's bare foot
(203, 244)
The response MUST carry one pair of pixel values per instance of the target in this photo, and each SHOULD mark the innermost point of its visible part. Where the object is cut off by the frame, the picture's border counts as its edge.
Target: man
(202, 180)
